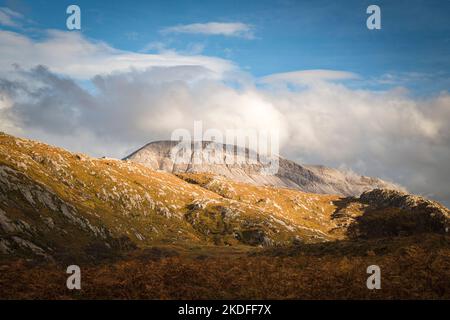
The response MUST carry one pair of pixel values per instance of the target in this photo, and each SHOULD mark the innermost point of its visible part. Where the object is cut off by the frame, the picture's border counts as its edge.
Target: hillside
(59, 208)
(55, 203)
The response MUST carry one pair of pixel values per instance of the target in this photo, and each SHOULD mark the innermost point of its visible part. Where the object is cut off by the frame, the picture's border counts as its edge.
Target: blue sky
(288, 35)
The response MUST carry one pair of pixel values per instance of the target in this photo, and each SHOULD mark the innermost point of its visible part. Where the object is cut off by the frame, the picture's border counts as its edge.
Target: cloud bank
(125, 104)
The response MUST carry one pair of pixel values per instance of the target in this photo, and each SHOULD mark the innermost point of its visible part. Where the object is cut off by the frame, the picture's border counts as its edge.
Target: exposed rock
(394, 213)
(5, 223)
(255, 237)
(316, 179)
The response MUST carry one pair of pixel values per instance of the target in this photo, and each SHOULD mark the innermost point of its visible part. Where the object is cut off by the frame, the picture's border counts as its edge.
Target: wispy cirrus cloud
(307, 77)
(228, 29)
(10, 18)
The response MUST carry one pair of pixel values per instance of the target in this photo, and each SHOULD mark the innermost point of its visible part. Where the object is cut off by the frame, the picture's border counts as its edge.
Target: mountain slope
(112, 203)
(56, 205)
(241, 168)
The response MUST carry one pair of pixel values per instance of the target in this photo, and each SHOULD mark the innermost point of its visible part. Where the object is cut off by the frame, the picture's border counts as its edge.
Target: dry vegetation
(412, 268)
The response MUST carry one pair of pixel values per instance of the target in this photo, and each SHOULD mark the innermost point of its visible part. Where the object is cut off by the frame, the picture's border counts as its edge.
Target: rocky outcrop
(389, 213)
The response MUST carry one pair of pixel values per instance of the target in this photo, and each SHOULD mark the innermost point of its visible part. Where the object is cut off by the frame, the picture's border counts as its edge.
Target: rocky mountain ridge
(158, 155)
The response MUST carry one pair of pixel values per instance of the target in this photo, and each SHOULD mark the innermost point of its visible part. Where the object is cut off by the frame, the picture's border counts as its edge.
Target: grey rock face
(247, 166)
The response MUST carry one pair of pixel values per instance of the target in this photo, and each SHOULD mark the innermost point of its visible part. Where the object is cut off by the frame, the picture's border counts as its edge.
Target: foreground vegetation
(411, 268)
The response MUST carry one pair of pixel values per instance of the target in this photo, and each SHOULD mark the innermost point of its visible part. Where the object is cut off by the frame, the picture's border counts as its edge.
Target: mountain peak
(245, 165)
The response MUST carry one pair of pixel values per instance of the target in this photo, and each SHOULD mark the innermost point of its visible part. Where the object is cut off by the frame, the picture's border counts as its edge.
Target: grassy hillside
(71, 200)
(141, 233)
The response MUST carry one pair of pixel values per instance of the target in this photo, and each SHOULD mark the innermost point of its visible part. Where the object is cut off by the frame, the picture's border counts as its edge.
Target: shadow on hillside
(360, 247)
(365, 220)
(341, 204)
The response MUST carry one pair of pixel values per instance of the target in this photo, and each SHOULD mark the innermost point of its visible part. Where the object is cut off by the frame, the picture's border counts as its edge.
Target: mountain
(241, 168)
(54, 203)
(145, 233)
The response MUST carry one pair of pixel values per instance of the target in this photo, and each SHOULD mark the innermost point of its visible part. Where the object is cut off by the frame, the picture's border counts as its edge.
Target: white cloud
(161, 47)
(157, 46)
(71, 54)
(229, 29)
